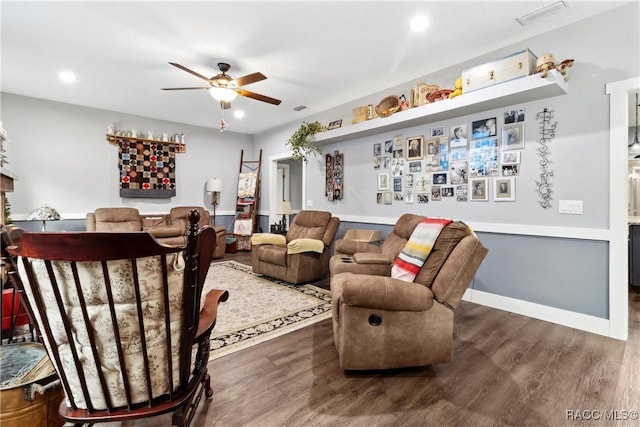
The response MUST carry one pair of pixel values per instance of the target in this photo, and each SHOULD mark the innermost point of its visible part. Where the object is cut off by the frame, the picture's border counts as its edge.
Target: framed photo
(422, 183)
(462, 193)
(335, 125)
(483, 128)
(377, 149)
(458, 136)
(513, 116)
(504, 189)
(388, 197)
(388, 147)
(415, 148)
(479, 189)
(408, 180)
(384, 181)
(436, 195)
(397, 184)
(510, 158)
(397, 142)
(379, 198)
(510, 170)
(408, 195)
(513, 136)
(415, 166)
(440, 178)
(377, 162)
(447, 191)
(437, 132)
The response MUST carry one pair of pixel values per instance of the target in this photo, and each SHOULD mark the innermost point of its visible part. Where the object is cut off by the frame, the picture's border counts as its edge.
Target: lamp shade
(223, 94)
(44, 213)
(284, 208)
(213, 185)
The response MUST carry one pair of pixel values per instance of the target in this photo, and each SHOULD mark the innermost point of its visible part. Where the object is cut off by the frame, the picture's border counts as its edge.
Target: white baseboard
(571, 319)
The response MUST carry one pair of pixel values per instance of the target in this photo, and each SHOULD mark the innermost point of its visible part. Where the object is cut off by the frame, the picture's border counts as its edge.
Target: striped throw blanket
(418, 248)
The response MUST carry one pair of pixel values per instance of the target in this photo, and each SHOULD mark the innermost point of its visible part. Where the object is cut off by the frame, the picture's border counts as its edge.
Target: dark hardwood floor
(508, 370)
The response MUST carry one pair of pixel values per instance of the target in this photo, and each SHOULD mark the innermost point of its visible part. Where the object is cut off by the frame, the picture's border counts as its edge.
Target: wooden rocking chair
(121, 318)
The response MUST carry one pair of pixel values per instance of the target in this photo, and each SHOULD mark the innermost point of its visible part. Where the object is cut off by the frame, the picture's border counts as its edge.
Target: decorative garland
(547, 133)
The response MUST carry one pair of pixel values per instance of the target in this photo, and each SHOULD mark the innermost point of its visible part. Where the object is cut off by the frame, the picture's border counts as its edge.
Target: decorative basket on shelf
(388, 106)
(439, 95)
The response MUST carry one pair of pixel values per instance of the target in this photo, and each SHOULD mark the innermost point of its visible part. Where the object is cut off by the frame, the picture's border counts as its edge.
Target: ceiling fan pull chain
(223, 124)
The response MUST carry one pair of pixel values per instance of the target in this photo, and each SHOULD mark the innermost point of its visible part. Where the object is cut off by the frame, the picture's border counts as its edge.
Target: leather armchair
(380, 322)
(168, 229)
(303, 255)
(178, 217)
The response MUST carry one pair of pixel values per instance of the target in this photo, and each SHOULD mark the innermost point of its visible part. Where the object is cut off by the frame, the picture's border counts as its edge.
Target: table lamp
(44, 213)
(284, 209)
(214, 186)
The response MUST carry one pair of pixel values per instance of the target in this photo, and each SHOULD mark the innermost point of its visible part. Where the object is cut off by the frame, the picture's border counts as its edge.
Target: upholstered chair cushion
(117, 220)
(178, 216)
(97, 302)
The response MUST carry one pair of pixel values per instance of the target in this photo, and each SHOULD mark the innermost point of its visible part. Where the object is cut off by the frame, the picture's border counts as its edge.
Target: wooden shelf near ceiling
(117, 139)
(513, 92)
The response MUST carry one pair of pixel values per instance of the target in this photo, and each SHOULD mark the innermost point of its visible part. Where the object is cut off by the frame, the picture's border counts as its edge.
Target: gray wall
(61, 156)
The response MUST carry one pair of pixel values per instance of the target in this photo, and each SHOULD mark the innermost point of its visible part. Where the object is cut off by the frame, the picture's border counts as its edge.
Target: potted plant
(301, 142)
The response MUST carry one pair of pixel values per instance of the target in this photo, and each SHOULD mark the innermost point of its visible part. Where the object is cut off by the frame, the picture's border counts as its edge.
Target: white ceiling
(318, 54)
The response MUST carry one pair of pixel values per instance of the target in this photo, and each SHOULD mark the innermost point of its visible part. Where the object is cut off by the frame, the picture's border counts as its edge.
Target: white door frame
(273, 184)
(618, 199)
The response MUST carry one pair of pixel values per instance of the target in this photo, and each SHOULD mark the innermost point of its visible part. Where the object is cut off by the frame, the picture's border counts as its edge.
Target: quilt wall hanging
(147, 168)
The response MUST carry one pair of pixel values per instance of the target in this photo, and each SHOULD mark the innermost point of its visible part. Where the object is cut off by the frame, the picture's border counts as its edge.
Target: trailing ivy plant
(302, 141)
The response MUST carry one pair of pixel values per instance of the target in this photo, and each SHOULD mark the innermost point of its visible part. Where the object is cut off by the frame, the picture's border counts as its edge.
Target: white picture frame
(479, 189)
(504, 189)
(513, 136)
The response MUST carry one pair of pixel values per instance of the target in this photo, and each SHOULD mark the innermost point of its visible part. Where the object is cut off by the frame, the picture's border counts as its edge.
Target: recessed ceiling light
(542, 12)
(67, 77)
(238, 114)
(419, 23)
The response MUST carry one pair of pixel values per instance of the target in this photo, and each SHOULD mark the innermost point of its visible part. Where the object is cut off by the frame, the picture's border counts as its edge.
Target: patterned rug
(260, 308)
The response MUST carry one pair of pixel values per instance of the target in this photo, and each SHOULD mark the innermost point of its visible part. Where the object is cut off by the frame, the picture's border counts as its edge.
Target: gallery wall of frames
(477, 161)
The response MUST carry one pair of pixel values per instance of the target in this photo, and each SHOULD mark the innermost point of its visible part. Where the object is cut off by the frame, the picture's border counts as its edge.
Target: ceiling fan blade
(259, 97)
(225, 105)
(183, 68)
(184, 88)
(250, 78)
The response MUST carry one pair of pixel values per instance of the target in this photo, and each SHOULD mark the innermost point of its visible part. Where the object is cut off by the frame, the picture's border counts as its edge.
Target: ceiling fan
(224, 88)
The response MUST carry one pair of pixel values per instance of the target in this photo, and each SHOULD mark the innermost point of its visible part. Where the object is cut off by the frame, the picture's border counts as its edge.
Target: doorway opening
(287, 177)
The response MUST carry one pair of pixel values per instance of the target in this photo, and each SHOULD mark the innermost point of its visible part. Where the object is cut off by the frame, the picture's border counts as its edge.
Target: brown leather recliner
(380, 322)
(168, 229)
(303, 255)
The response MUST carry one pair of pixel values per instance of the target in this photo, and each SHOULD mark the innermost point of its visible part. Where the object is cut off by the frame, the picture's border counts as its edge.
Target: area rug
(260, 308)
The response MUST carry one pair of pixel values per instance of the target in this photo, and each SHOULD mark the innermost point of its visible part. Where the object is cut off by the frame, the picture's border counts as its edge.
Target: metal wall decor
(547, 133)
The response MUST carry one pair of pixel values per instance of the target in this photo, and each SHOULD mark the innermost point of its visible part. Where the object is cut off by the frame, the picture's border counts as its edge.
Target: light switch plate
(309, 203)
(572, 207)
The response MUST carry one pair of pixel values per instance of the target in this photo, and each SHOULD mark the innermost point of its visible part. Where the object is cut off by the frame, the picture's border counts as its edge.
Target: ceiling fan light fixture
(223, 94)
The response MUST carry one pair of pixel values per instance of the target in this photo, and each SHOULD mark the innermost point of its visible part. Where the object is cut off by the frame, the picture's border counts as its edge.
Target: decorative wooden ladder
(247, 205)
